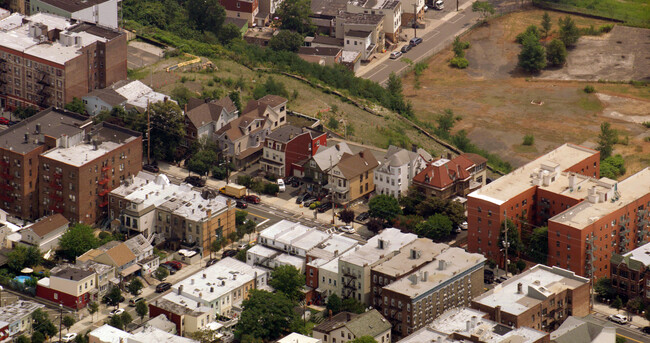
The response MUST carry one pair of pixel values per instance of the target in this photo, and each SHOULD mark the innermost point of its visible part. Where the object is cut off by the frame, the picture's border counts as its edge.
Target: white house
(102, 100)
(395, 173)
(45, 233)
(390, 9)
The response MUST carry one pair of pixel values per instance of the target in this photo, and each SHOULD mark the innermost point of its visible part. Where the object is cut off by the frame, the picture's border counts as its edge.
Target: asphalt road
(632, 335)
(433, 41)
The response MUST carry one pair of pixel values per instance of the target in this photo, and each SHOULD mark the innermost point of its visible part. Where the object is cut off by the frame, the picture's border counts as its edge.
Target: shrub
(606, 28)
(529, 140)
(589, 89)
(459, 62)
(531, 30)
(646, 124)
(556, 53)
(333, 124)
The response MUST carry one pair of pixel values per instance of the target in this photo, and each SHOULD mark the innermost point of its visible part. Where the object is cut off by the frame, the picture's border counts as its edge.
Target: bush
(606, 28)
(529, 140)
(589, 89)
(459, 62)
(333, 124)
(646, 124)
(219, 173)
(271, 188)
(531, 30)
(556, 53)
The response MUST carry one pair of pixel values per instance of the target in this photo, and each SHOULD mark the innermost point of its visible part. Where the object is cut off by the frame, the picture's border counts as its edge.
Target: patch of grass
(528, 140)
(590, 103)
(646, 124)
(137, 74)
(632, 12)
(524, 149)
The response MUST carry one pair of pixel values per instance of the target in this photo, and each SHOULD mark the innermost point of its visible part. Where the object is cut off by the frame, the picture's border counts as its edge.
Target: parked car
(406, 48)
(229, 253)
(169, 268)
(134, 301)
(464, 225)
(253, 199)
(395, 55)
(309, 201)
(175, 264)
(646, 329)
(163, 287)
(241, 204)
(281, 185)
(69, 337)
(108, 301)
(116, 312)
(346, 228)
(439, 5)
(488, 276)
(301, 197)
(211, 262)
(415, 41)
(195, 181)
(363, 216)
(151, 168)
(324, 207)
(4, 121)
(618, 318)
(293, 181)
(242, 246)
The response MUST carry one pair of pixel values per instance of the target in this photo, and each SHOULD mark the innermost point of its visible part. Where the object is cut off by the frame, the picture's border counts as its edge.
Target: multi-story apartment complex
(353, 177)
(320, 255)
(391, 11)
(420, 295)
(150, 204)
(540, 298)
(355, 267)
(288, 145)
(630, 273)
(46, 60)
(395, 174)
(101, 12)
(529, 195)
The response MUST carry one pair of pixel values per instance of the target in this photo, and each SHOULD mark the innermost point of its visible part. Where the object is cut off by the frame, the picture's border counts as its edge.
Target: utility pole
(331, 191)
(415, 19)
(60, 319)
(457, 5)
(506, 243)
(148, 135)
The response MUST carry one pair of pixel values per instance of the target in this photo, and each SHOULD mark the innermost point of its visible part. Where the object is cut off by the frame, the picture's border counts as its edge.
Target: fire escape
(349, 283)
(106, 188)
(623, 231)
(641, 227)
(43, 88)
(5, 187)
(589, 259)
(57, 195)
(3, 81)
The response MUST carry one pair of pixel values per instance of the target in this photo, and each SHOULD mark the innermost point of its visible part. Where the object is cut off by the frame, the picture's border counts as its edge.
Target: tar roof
(17, 311)
(358, 33)
(49, 224)
(318, 50)
(72, 273)
(537, 283)
(53, 122)
(107, 95)
(362, 18)
(411, 256)
(285, 134)
(326, 40)
(330, 8)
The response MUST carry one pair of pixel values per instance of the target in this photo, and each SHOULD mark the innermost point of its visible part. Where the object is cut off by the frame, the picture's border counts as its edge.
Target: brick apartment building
(58, 162)
(531, 194)
(288, 145)
(630, 273)
(46, 60)
(540, 298)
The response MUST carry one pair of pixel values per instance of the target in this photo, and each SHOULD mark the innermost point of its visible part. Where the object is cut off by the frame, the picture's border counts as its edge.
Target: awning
(130, 270)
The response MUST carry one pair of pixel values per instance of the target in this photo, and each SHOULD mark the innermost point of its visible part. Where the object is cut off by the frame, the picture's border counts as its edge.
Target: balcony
(104, 203)
(106, 168)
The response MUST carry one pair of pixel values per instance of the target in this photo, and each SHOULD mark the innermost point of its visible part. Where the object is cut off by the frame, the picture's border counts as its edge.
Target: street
(628, 332)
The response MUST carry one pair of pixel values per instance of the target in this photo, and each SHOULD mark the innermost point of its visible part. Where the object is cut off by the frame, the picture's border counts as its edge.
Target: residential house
(315, 169)
(143, 251)
(353, 177)
(346, 326)
(45, 233)
(104, 13)
(447, 178)
(244, 9)
(72, 286)
(323, 15)
(115, 254)
(240, 23)
(19, 316)
(390, 10)
(104, 275)
(104, 99)
(203, 118)
(361, 32)
(138, 95)
(412, 9)
(328, 56)
(144, 334)
(396, 172)
(285, 147)
(269, 106)
(325, 252)
(295, 337)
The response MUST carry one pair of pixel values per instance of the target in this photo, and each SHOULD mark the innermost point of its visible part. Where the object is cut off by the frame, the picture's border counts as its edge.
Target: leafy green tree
(606, 140)
(451, 209)
(546, 24)
(265, 315)
(288, 280)
(385, 207)
(271, 86)
(38, 337)
(42, 324)
(521, 265)
(445, 122)
(114, 297)
(531, 30)
(161, 272)
(228, 33)
(352, 305)
(25, 112)
(240, 217)
(375, 225)
(346, 216)
(556, 53)
(77, 240)
(334, 304)
(182, 95)
(603, 287)
(126, 318)
(514, 237)
(22, 256)
(202, 161)
(485, 8)
(236, 99)
(76, 105)
(408, 223)
(538, 245)
(286, 40)
(207, 15)
(294, 15)
(93, 308)
(116, 322)
(569, 33)
(437, 227)
(394, 85)
(458, 47)
(135, 286)
(168, 130)
(618, 303)
(532, 57)
(67, 322)
(612, 167)
(22, 339)
(363, 339)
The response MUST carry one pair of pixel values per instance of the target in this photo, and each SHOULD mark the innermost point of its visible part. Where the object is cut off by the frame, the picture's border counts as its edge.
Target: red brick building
(630, 273)
(46, 61)
(288, 145)
(68, 285)
(449, 177)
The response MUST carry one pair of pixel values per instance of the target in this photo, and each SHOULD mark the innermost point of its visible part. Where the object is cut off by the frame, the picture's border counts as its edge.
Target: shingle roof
(370, 323)
(121, 254)
(354, 165)
(442, 173)
(234, 128)
(322, 157)
(49, 224)
(285, 133)
(335, 322)
(108, 95)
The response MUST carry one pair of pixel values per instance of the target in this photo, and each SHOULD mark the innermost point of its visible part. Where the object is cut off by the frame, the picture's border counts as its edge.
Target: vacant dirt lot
(499, 105)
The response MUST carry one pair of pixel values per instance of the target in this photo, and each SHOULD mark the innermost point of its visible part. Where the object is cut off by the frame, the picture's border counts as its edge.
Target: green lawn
(632, 12)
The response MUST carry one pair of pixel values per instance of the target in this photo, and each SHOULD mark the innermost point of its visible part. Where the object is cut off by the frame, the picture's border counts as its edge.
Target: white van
(439, 5)
(281, 185)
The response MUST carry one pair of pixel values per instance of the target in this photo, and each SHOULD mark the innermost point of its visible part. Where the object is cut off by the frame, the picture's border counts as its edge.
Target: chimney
(468, 326)
(38, 127)
(441, 265)
(336, 253)
(26, 137)
(414, 254)
(180, 289)
(414, 148)
(211, 289)
(185, 109)
(361, 154)
(497, 314)
(381, 244)
(572, 180)
(204, 275)
(448, 155)
(191, 281)
(474, 321)
(519, 288)
(425, 276)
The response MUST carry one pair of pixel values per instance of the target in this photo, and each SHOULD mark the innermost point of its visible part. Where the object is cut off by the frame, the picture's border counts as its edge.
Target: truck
(233, 190)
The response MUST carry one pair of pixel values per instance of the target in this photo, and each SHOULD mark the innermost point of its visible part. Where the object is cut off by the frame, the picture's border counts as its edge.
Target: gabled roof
(337, 321)
(396, 156)
(442, 173)
(235, 129)
(322, 157)
(285, 133)
(354, 165)
(121, 254)
(370, 323)
(224, 102)
(477, 159)
(48, 224)
(108, 95)
(138, 244)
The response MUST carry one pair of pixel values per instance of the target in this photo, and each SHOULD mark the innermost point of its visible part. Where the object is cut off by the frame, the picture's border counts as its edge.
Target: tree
(168, 129)
(437, 227)
(546, 24)
(514, 238)
(363, 339)
(375, 225)
(288, 280)
(38, 337)
(207, 15)
(93, 308)
(286, 40)
(126, 318)
(42, 324)
(114, 297)
(521, 265)
(77, 240)
(23, 256)
(451, 209)
(612, 167)
(334, 303)
(569, 33)
(603, 288)
(228, 33)
(270, 87)
(116, 322)
(236, 100)
(538, 245)
(209, 336)
(67, 322)
(531, 30)
(618, 303)
(385, 207)
(22, 339)
(346, 216)
(161, 272)
(532, 57)
(606, 140)
(352, 305)
(460, 140)
(202, 161)
(294, 15)
(445, 122)
(556, 53)
(265, 315)
(240, 217)
(76, 105)
(458, 47)
(394, 85)
(135, 286)
(485, 8)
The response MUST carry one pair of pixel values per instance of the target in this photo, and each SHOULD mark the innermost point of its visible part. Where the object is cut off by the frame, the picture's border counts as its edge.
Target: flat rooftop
(293, 235)
(180, 305)
(378, 247)
(138, 94)
(411, 256)
(519, 180)
(538, 283)
(334, 246)
(641, 254)
(622, 194)
(449, 264)
(18, 310)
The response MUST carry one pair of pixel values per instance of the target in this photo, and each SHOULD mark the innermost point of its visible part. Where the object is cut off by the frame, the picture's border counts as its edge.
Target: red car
(4, 121)
(175, 264)
(254, 199)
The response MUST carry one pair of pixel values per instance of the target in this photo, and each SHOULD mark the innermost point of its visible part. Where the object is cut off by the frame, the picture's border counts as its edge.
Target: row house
(314, 170)
(353, 177)
(447, 178)
(396, 172)
(203, 118)
(345, 327)
(45, 233)
(72, 286)
(361, 32)
(390, 10)
(287, 146)
(115, 254)
(324, 253)
(18, 316)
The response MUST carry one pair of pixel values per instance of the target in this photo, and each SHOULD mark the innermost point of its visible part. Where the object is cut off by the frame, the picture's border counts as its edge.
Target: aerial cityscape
(325, 171)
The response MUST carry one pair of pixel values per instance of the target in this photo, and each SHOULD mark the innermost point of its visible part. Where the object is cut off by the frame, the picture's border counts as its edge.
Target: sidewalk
(605, 310)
